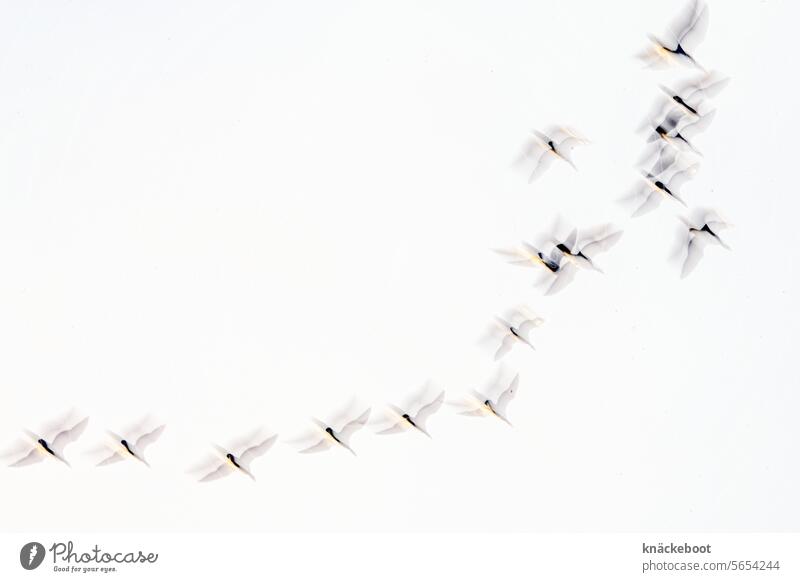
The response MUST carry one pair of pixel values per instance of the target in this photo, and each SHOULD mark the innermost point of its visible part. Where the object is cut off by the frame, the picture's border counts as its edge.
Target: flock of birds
(670, 158)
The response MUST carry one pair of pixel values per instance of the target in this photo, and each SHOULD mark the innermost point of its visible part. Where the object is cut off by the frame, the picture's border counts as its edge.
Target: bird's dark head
(405, 415)
(229, 456)
(329, 430)
(42, 442)
(678, 99)
(124, 443)
(487, 402)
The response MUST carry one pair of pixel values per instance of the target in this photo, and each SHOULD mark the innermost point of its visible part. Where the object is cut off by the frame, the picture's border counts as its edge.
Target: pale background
(239, 214)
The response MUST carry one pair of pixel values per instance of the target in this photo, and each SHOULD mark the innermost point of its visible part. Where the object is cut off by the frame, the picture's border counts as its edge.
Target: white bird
(698, 236)
(226, 462)
(481, 405)
(123, 448)
(514, 329)
(341, 437)
(582, 253)
(543, 149)
(403, 421)
(52, 448)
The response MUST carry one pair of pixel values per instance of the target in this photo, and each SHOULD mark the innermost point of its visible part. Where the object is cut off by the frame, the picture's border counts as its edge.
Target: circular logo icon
(31, 555)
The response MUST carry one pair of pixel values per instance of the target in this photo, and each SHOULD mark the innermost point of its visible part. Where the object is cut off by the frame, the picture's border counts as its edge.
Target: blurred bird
(581, 254)
(691, 95)
(123, 448)
(480, 404)
(403, 420)
(647, 195)
(529, 256)
(542, 149)
(696, 235)
(341, 437)
(237, 458)
(681, 40)
(50, 446)
(677, 127)
(513, 329)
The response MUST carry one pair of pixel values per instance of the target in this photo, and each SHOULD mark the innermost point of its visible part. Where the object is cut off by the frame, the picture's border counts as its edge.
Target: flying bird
(480, 404)
(581, 253)
(652, 189)
(124, 447)
(329, 436)
(681, 40)
(677, 127)
(691, 96)
(402, 420)
(543, 149)
(697, 235)
(237, 459)
(43, 447)
(512, 330)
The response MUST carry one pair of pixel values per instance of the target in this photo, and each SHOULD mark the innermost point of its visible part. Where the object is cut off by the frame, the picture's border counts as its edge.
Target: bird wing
(114, 457)
(351, 427)
(602, 244)
(65, 437)
(255, 451)
(149, 438)
(542, 164)
(564, 277)
(694, 252)
(651, 203)
(322, 445)
(571, 240)
(526, 326)
(505, 347)
(507, 396)
(428, 410)
(223, 470)
(34, 456)
(694, 32)
(399, 426)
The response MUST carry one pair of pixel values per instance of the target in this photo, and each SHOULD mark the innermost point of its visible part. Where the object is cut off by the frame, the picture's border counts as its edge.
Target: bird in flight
(329, 436)
(543, 149)
(691, 96)
(480, 404)
(582, 253)
(403, 420)
(41, 447)
(559, 272)
(652, 189)
(513, 329)
(677, 127)
(681, 40)
(125, 447)
(696, 235)
(235, 459)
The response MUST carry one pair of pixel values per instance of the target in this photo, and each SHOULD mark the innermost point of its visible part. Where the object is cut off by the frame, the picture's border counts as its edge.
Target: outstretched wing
(349, 429)
(507, 396)
(34, 456)
(694, 253)
(252, 453)
(505, 347)
(223, 470)
(564, 277)
(321, 446)
(149, 438)
(114, 457)
(428, 410)
(65, 437)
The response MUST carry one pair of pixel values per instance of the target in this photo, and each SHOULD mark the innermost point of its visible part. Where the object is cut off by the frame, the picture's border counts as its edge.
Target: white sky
(240, 214)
